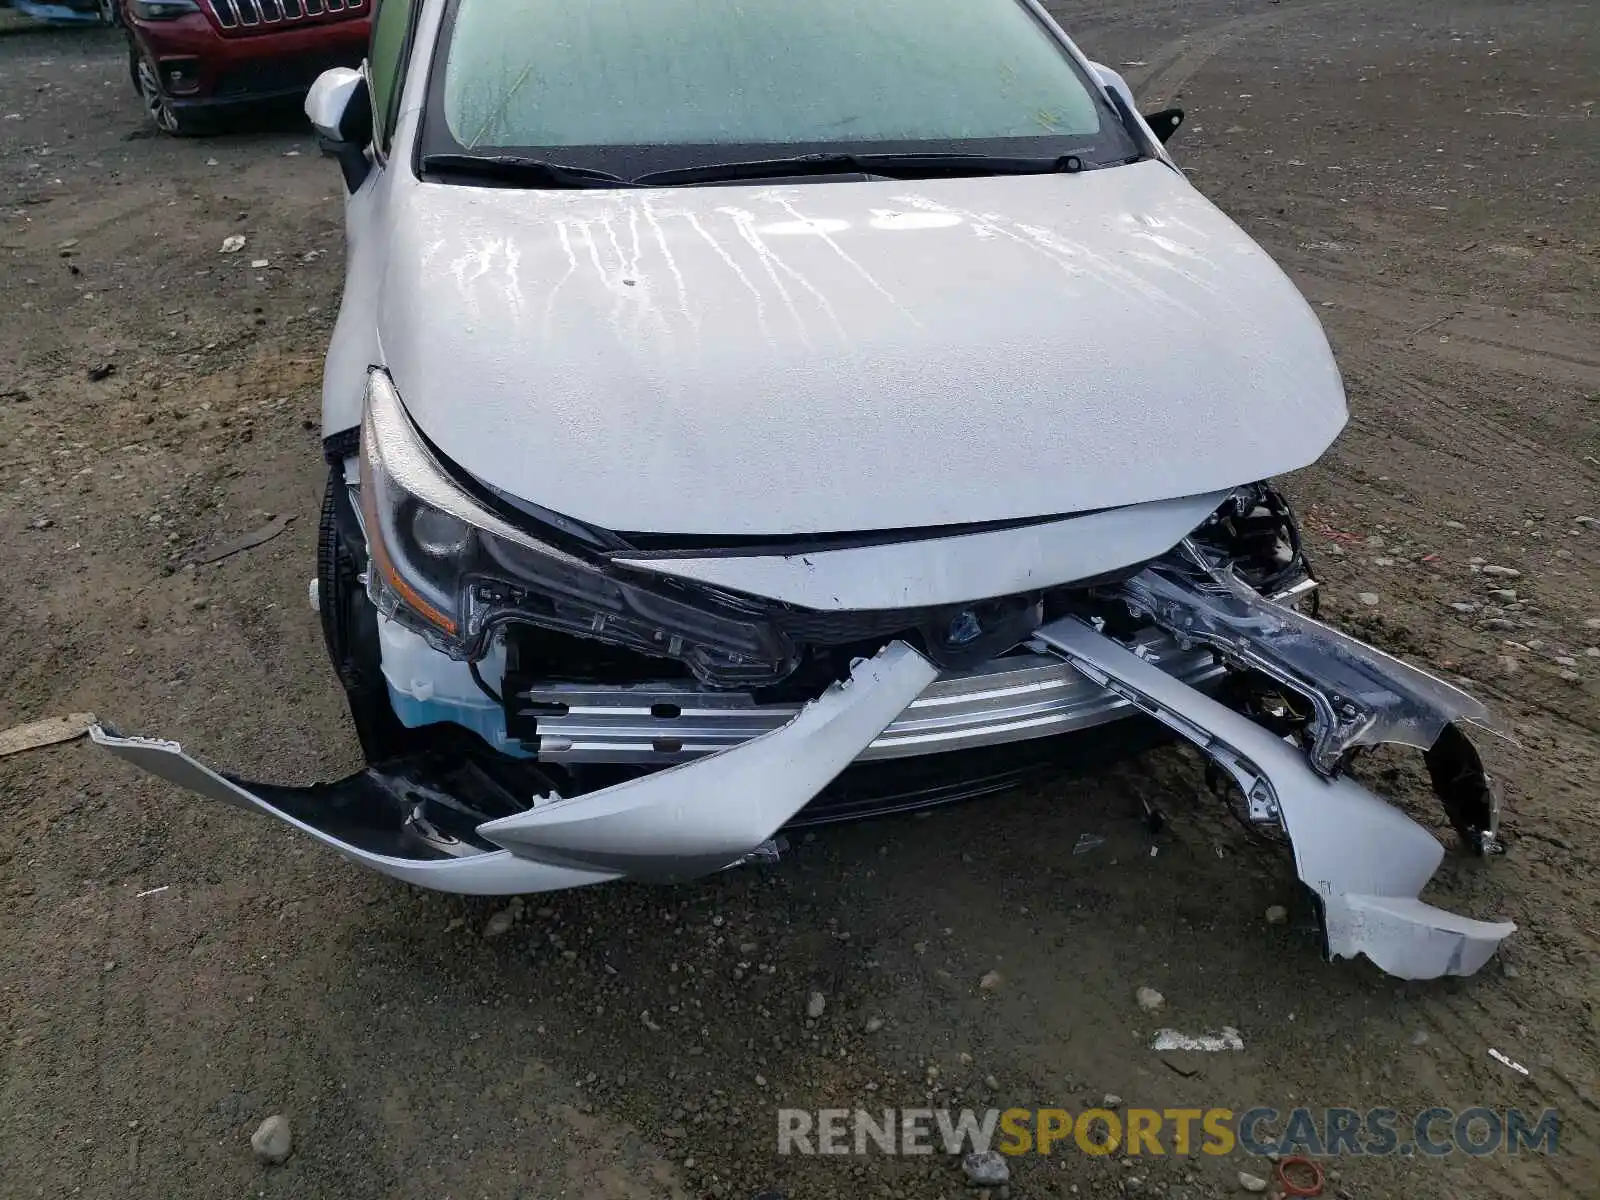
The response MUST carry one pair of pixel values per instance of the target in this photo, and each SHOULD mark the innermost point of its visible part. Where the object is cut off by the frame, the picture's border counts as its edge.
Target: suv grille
(259, 14)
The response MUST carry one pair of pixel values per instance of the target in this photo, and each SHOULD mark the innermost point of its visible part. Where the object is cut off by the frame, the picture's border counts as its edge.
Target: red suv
(194, 60)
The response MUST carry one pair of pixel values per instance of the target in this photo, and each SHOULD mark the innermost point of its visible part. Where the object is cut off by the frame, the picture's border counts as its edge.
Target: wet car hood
(851, 355)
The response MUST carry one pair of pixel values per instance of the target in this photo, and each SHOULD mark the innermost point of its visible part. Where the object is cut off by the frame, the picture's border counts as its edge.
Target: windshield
(783, 75)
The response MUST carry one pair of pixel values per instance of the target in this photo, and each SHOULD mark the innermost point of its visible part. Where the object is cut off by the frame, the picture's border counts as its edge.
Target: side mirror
(339, 107)
(1164, 123)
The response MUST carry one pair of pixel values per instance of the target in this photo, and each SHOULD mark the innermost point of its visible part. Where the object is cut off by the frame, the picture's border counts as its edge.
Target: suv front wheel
(157, 105)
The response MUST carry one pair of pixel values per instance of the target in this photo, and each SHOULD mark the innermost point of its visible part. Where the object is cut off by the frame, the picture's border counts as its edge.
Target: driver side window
(386, 64)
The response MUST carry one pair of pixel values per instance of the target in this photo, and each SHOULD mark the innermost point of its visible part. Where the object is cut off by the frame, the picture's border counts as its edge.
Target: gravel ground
(1427, 172)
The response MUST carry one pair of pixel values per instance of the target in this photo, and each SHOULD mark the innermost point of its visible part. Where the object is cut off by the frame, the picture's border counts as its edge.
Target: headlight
(445, 565)
(162, 10)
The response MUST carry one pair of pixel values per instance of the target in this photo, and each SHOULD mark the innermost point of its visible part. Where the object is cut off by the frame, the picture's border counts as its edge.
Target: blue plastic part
(487, 720)
(55, 14)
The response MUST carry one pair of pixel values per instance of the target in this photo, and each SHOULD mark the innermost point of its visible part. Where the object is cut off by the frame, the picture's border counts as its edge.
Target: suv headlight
(445, 565)
(162, 10)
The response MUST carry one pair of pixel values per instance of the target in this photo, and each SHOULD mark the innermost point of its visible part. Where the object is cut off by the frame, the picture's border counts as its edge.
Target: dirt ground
(1427, 172)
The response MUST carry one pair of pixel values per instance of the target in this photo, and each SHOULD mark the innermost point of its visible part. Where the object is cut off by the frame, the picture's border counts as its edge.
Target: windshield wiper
(516, 169)
(539, 171)
(898, 166)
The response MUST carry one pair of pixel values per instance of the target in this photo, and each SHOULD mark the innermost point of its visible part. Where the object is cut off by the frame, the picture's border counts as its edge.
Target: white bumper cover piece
(674, 824)
(699, 817)
(494, 874)
(1366, 861)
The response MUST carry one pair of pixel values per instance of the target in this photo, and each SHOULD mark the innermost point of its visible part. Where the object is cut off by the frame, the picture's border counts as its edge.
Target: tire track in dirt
(1474, 1035)
(1522, 356)
(1455, 419)
(1419, 425)
(122, 1029)
(1523, 346)
(1539, 343)
(1173, 65)
(1428, 402)
(1449, 430)
(71, 990)
(125, 212)
(1088, 16)
(1170, 64)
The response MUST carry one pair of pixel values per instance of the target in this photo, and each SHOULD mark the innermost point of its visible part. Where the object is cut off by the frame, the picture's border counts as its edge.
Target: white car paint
(951, 570)
(329, 99)
(839, 356)
(760, 360)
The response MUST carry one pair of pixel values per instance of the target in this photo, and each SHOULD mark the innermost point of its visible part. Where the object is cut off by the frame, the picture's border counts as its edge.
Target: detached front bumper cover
(1366, 861)
(675, 824)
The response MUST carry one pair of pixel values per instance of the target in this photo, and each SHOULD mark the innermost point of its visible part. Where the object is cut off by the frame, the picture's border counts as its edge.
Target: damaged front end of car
(659, 713)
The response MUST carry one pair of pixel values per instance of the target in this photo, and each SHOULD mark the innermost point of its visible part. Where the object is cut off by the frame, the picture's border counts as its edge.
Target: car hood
(849, 356)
